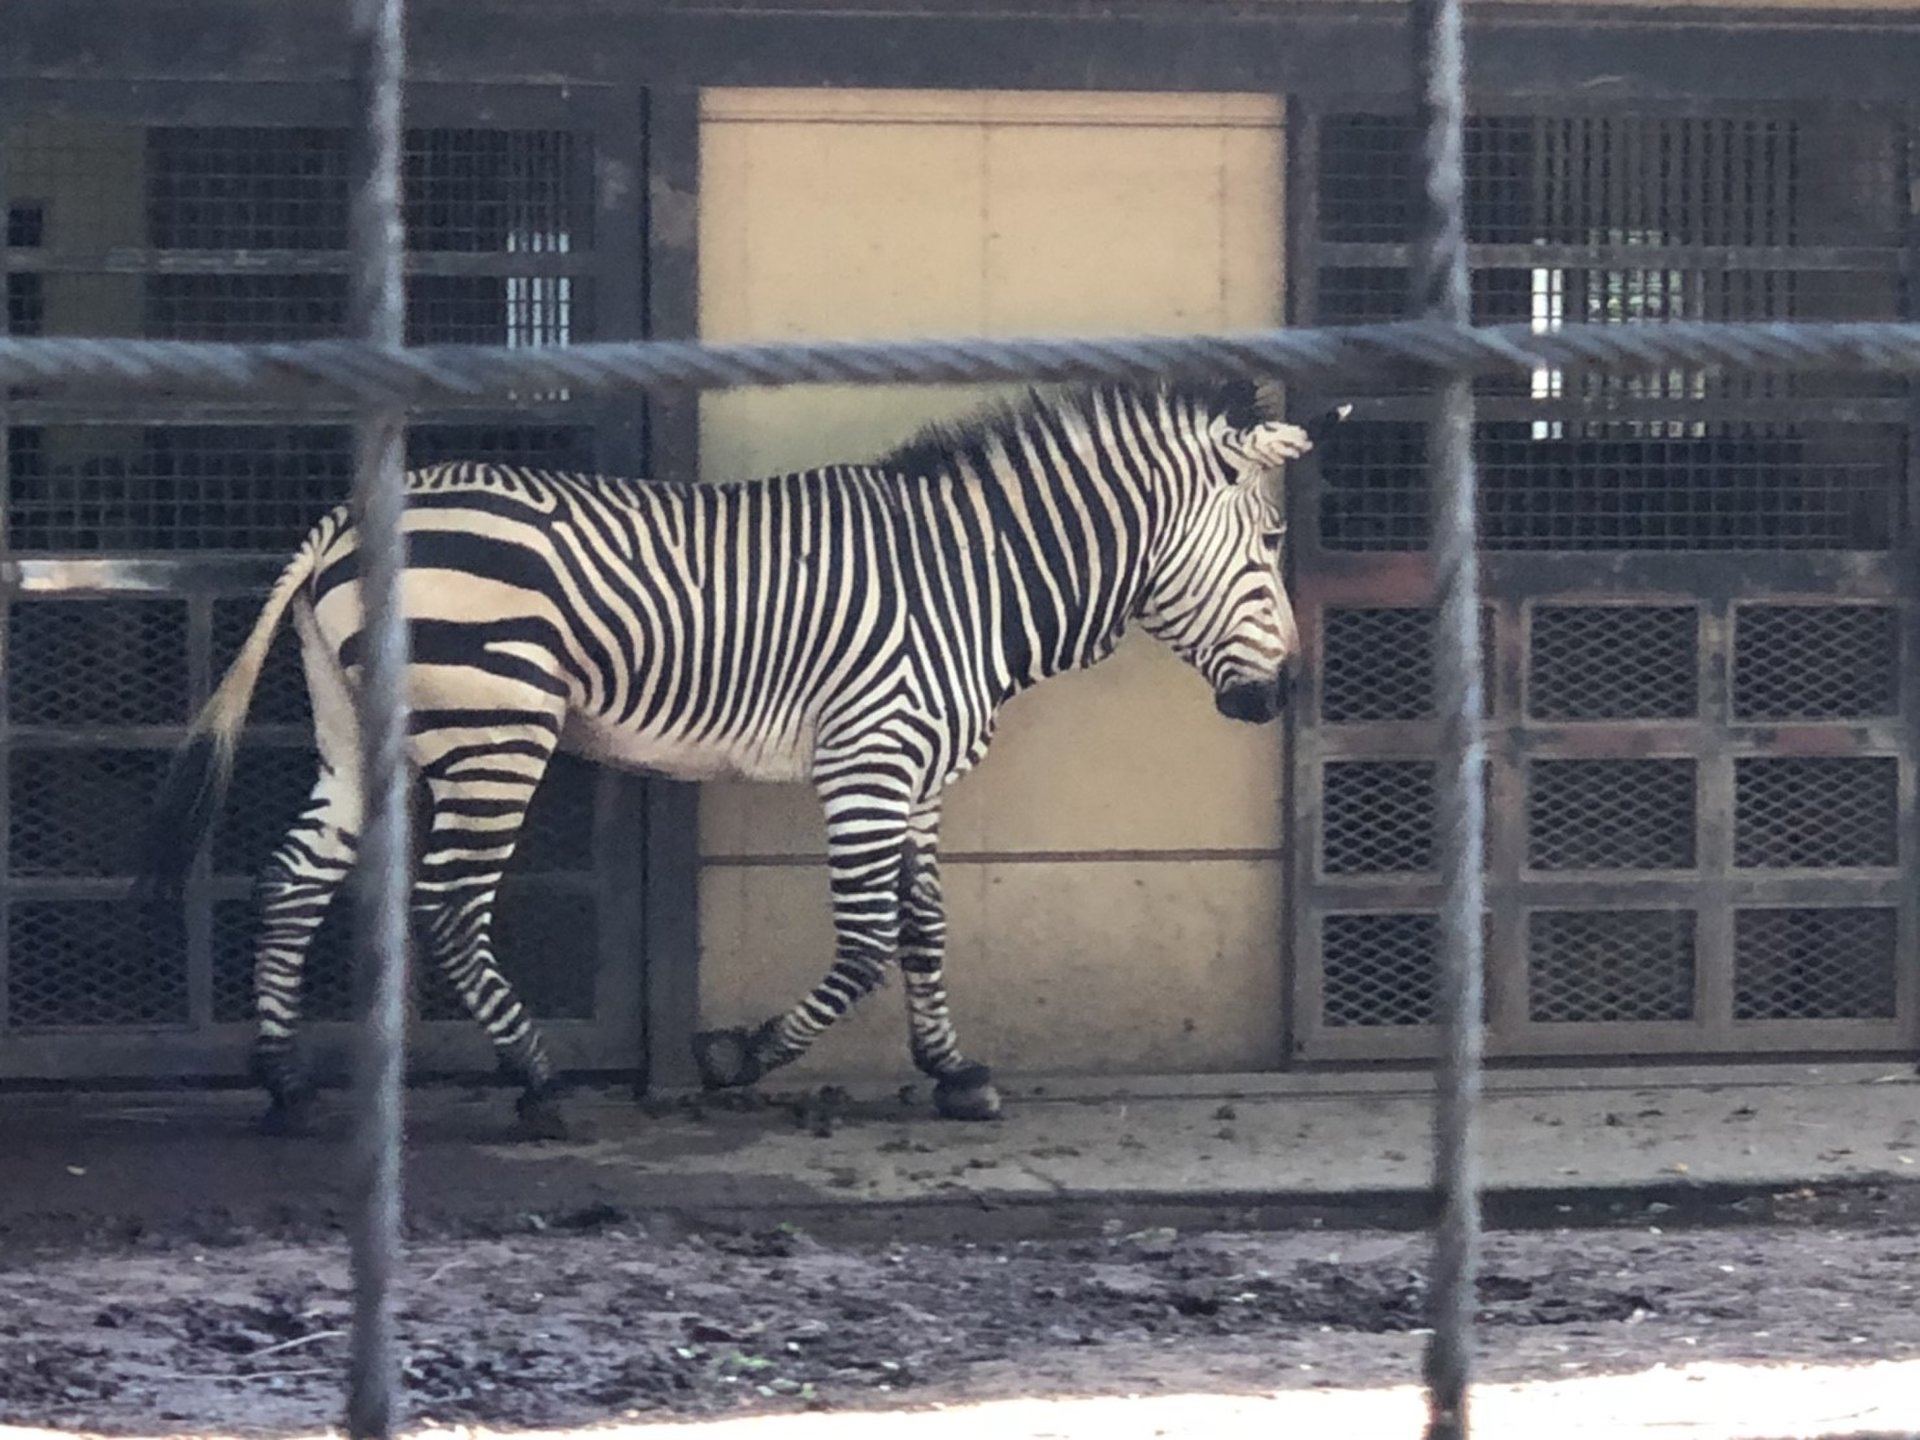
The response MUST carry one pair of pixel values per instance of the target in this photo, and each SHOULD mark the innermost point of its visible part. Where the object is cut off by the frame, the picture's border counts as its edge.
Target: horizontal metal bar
(1351, 577)
(1743, 259)
(1606, 739)
(171, 577)
(130, 261)
(1626, 1039)
(1612, 409)
(1616, 890)
(398, 375)
(111, 411)
(146, 737)
(219, 1051)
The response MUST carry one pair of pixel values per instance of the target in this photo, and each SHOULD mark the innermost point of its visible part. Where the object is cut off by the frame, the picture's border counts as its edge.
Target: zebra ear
(1270, 399)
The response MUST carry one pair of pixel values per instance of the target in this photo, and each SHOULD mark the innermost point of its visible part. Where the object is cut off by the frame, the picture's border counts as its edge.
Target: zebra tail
(196, 783)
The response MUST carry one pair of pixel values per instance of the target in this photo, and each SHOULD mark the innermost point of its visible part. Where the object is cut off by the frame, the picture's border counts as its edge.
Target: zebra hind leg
(477, 814)
(962, 1089)
(294, 893)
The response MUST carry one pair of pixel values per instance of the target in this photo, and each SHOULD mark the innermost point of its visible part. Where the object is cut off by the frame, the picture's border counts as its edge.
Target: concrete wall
(1114, 868)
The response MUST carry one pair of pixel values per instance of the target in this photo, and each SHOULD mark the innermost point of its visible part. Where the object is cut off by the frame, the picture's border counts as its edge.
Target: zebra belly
(678, 758)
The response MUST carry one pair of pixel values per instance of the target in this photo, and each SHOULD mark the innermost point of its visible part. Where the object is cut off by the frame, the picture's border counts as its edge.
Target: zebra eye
(1272, 538)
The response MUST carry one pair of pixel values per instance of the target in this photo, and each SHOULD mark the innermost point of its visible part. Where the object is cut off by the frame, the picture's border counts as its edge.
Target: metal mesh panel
(517, 310)
(96, 662)
(245, 307)
(1815, 662)
(1377, 816)
(1747, 487)
(26, 304)
(246, 188)
(1585, 180)
(285, 188)
(1613, 662)
(1611, 815)
(1610, 965)
(75, 812)
(1816, 814)
(475, 191)
(244, 488)
(113, 490)
(1800, 487)
(549, 447)
(88, 963)
(1815, 963)
(1377, 663)
(440, 309)
(1374, 486)
(26, 224)
(1379, 969)
(548, 938)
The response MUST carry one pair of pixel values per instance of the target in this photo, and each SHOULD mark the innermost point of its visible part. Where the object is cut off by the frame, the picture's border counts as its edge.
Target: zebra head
(1215, 594)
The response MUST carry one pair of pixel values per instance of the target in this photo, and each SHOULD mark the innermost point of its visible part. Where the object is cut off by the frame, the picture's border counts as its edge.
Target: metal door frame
(627, 888)
(1514, 583)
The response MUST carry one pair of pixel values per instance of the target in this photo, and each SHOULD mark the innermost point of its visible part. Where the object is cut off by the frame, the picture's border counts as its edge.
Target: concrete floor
(1243, 1148)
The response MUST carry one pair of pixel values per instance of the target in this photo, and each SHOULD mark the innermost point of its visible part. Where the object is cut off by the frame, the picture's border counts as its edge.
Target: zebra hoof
(725, 1058)
(540, 1117)
(288, 1115)
(967, 1094)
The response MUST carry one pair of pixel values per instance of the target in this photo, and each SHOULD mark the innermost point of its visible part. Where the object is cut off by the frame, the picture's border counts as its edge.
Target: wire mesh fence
(1414, 253)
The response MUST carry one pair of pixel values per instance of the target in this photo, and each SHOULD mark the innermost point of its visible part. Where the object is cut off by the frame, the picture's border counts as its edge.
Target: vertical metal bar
(670, 903)
(198, 933)
(379, 440)
(1440, 293)
(7, 132)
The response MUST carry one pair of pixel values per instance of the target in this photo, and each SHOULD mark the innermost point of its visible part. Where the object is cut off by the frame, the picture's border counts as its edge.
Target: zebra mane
(1242, 403)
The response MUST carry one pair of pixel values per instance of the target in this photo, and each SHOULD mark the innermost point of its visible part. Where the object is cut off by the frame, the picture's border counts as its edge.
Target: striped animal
(858, 627)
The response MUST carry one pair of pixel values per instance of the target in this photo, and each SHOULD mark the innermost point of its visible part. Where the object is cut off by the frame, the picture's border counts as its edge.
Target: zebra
(856, 626)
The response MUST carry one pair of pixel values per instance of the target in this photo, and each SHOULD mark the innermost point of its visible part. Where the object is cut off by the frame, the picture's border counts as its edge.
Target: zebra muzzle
(1254, 701)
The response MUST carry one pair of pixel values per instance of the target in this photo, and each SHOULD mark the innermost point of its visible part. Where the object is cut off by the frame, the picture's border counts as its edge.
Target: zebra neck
(1067, 595)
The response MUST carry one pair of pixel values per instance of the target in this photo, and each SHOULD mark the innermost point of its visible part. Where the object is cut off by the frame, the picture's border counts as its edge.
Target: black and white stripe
(856, 626)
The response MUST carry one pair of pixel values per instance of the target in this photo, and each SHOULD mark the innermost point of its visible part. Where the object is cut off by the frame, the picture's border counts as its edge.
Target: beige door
(1113, 870)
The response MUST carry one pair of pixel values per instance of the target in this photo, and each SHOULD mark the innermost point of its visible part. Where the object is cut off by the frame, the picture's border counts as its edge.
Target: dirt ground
(593, 1316)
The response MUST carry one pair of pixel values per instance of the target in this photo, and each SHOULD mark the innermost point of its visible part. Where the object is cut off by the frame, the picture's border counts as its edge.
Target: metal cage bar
(379, 318)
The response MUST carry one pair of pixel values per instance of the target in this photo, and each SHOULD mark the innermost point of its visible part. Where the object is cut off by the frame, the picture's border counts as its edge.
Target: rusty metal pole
(1441, 292)
(377, 316)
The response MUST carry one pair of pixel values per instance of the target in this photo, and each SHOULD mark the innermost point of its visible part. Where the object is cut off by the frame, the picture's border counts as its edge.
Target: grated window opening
(1613, 662)
(1815, 662)
(1816, 963)
(68, 809)
(1377, 817)
(1808, 813)
(76, 664)
(1610, 966)
(90, 963)
(1611, 815)
(1378, 663)
(1741, 486)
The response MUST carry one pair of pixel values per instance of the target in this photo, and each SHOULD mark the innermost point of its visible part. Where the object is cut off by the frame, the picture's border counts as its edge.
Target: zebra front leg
(963, 1089)
(294, 893)
(475, 824)
(867, 805)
